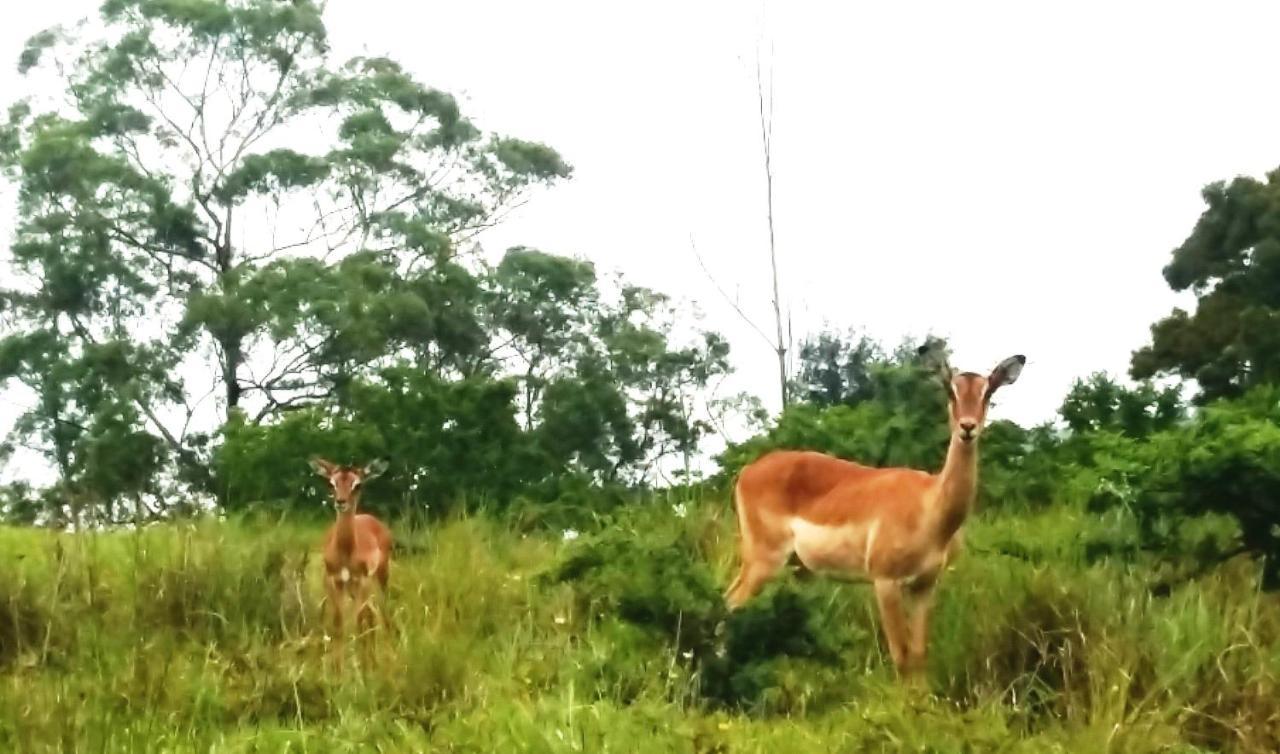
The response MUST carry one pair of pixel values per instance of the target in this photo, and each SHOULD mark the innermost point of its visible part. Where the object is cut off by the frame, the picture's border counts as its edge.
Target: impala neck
(345, 532)
(957, 487)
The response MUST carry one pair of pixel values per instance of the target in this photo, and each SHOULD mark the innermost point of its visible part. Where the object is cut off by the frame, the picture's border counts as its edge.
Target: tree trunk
(232, 345)
(232, 356)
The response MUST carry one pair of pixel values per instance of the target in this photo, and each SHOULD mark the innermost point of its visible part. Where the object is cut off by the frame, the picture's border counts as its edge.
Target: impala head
(969, 393)
(346, 481)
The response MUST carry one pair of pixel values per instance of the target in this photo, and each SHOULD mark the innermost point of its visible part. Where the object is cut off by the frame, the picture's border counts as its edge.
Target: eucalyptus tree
(213, 211)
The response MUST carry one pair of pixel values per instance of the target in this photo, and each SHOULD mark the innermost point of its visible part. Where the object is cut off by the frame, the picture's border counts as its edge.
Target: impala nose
(967, 428)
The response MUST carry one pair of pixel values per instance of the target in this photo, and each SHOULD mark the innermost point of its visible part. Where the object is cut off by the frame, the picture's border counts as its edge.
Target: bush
(652, 578)
(780, 631)
(1226, 461)
(1021, 468)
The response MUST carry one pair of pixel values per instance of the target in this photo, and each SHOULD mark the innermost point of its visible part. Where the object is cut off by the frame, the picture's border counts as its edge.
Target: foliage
(173, 226)
(836, 368)
(870, 433)
(1226, 462)
(651, 578)
(607, 386)
(1022, 468)
(1231, 262)
(646, 567)
(162, 187)
(1099, 403)
(602, 392)
(868, 408)
(445, 441)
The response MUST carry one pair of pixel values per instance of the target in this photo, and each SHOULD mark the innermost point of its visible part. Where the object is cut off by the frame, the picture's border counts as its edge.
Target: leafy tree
(628, 398)
(888, 411)
(542, 308)
(609, 382)
(446, 441)
(20, 504)
(1022, 467)
(660, 378)
(1231, 261)
(1100, 403)
(208, 193)
(1225, 461)
(567, 383)
(836, 368)
(87, 421)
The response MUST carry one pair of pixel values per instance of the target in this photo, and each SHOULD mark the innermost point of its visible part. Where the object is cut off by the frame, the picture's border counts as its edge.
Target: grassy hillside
(204, 637)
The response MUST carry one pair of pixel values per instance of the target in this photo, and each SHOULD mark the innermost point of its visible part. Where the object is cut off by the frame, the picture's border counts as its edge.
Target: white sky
(1010, 175)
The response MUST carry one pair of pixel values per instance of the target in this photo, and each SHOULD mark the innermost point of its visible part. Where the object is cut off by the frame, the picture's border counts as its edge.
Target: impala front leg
(334, 595)
(921, 597)
(892, 621)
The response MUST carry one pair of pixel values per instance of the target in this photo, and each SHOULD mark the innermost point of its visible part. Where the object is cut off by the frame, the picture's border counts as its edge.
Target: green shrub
(1225, 461)
(648, 579)
(648, 572)
(781, 632)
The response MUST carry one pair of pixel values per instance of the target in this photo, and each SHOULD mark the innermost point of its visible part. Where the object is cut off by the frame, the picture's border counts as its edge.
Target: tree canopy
(1231, 262)
(222, 224)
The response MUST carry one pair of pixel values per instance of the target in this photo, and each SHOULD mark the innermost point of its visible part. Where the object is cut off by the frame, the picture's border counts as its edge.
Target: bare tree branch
(766, 138)
(725, 295)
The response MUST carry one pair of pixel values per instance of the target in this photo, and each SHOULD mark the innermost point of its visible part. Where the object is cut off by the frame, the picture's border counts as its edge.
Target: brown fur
(356, 547)
(898, 527)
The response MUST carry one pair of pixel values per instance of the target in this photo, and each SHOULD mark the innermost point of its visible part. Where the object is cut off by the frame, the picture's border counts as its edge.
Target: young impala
(357, 548)
(894, 526)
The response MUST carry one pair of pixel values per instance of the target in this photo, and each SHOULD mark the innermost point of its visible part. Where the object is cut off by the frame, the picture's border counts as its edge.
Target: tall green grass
(206, 636)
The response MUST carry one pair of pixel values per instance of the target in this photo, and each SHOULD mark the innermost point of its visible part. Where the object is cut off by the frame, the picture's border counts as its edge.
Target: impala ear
(375, 468)
(933, 355)
(320, 466)
(1005, 373)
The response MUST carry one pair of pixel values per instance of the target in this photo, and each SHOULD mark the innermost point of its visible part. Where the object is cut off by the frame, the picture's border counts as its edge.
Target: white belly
(842, 550)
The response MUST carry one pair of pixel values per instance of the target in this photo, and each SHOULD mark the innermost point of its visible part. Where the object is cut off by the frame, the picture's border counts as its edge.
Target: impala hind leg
(762, 550)
(758, 566)
(384, 614)
(365, 619)
(364, 608)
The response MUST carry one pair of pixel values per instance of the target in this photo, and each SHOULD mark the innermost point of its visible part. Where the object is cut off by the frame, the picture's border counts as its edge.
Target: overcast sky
(1010, 175)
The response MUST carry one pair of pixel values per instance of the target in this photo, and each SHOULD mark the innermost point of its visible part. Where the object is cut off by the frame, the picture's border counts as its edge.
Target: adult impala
(894, 526)
(357, 548)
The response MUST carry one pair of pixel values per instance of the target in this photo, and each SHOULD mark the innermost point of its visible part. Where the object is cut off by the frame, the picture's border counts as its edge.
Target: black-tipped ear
(933, 355)
(375, 468)
(320, 466)
(1005, 373)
